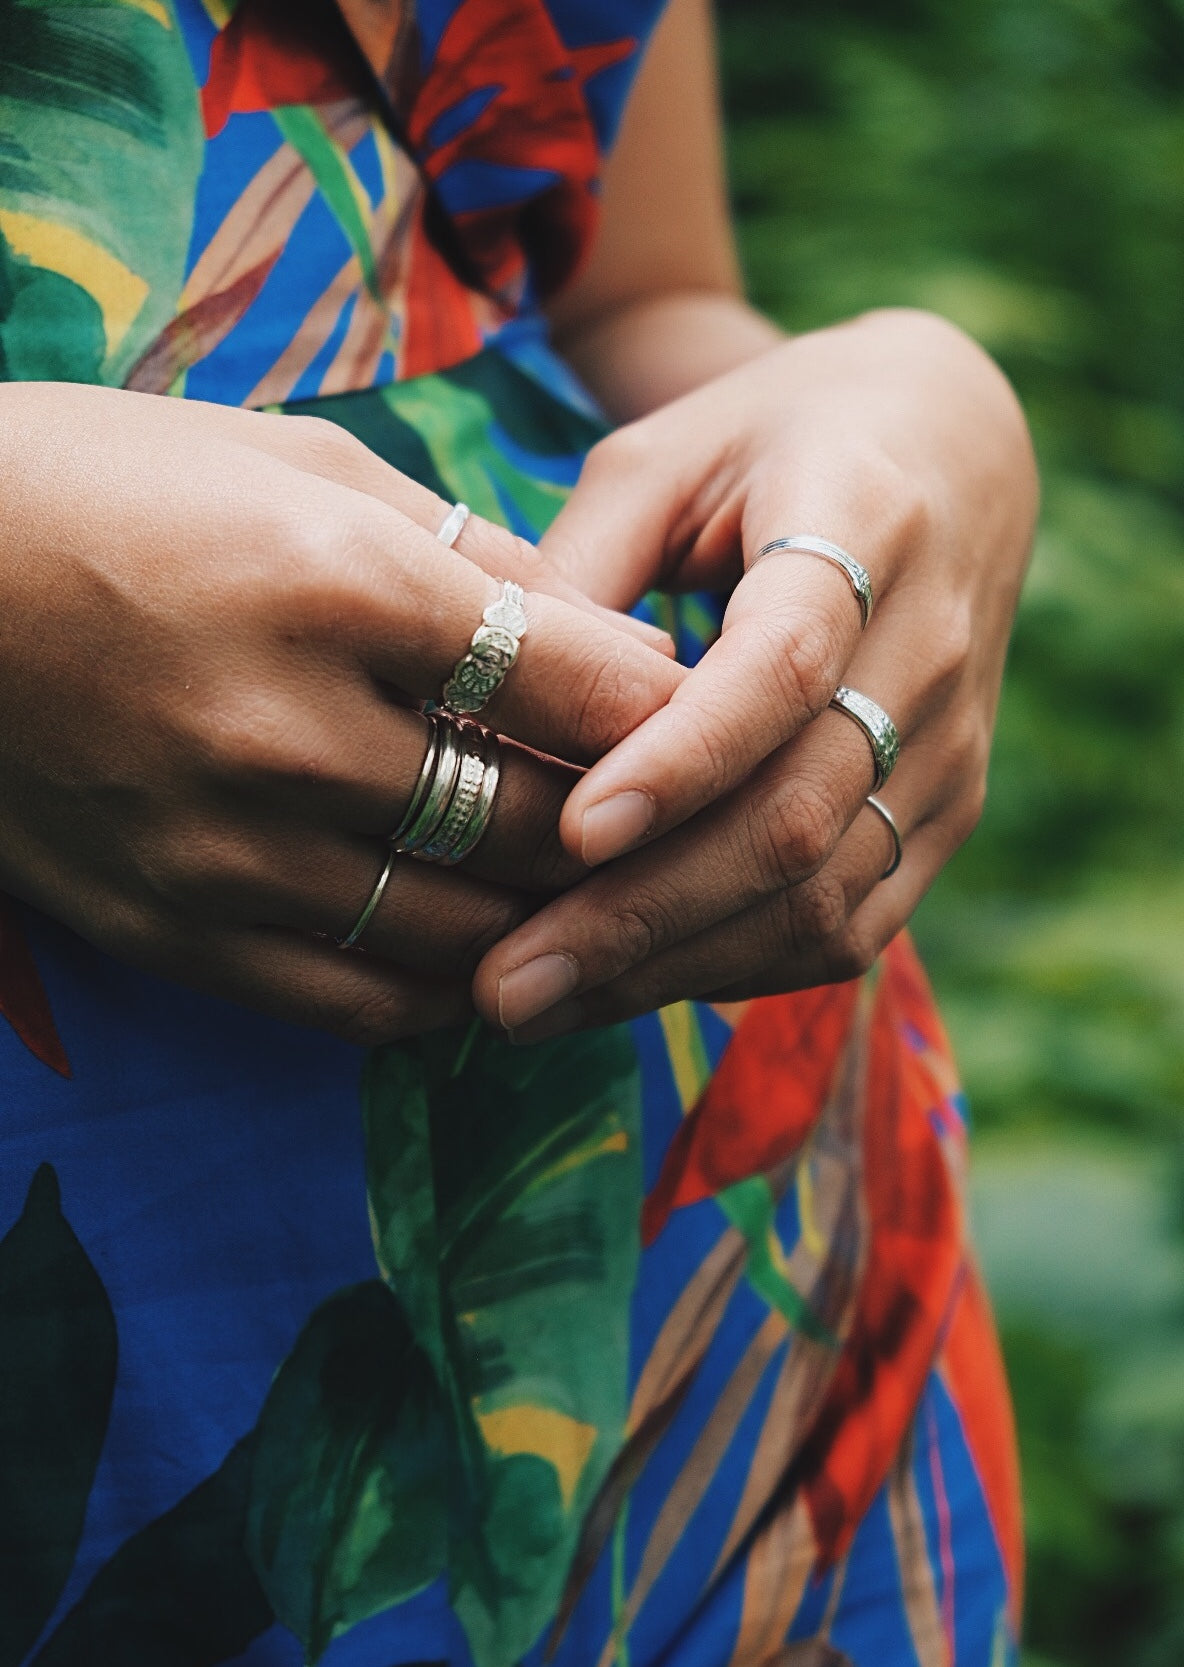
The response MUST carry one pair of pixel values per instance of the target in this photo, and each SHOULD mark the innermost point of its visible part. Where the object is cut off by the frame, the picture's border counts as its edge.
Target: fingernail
(556, 1022)
(616, 824)
(531, 988)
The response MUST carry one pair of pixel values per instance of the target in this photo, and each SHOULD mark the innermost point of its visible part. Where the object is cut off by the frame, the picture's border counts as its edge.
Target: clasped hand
(217, 626)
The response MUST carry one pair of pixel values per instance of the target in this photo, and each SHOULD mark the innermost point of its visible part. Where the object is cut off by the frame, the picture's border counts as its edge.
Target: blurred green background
(1018, 165)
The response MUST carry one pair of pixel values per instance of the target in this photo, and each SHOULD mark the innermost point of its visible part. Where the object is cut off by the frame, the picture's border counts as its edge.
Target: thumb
(610, 540)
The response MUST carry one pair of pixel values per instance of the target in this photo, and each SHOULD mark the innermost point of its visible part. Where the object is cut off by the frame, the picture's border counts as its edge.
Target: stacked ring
(453, 799)
(889, 821)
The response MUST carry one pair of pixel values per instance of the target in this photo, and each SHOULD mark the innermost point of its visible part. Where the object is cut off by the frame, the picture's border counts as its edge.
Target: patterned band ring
(889, 821)
(806, 544)
(482, 669)
(453, 525)
(875, 723)
(469, 812)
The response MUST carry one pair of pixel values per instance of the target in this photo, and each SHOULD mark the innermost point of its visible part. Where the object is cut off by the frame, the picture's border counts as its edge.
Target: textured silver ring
(806, 544)
(372, 902)
(875, 723)
(453, 525)
(483, 668)
(889, 821)
(483, 809)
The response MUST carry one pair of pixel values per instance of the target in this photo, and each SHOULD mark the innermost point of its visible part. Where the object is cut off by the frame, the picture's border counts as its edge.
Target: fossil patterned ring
(483, 668)
(875, 723)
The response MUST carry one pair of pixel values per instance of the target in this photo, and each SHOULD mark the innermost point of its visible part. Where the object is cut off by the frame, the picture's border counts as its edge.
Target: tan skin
(207, 671)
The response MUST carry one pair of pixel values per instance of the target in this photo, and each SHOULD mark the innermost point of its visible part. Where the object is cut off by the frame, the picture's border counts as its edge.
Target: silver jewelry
(453, 525)
(438, 799)
(372, 902)
(889, 821)
(482, 669)
(876, 725)
(464, 802)
(806, 544)
(483, 809)
(426, 772)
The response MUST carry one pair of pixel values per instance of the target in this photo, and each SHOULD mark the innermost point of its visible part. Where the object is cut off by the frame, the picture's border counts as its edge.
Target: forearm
(647, 351)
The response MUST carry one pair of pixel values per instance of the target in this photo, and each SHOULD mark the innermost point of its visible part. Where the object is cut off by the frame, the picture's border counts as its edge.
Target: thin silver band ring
(453, 525)
(806, 544)
(889, 821)
(372, 902)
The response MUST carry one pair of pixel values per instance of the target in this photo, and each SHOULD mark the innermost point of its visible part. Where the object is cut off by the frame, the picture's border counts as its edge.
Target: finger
(353, 771)
(361, 998)
(387, 592)
(769, 836)
(791, 628)
(437, 922)
(782, 944)
(324, 448)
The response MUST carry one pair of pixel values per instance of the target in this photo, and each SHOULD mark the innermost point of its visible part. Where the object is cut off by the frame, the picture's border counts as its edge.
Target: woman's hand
(754, 865)
(213, 627)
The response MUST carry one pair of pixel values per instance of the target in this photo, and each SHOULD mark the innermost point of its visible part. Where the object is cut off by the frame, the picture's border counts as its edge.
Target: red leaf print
(914, 1264)
(23, 1001)
(761, 1103)
(974, 1368)
(273, 53)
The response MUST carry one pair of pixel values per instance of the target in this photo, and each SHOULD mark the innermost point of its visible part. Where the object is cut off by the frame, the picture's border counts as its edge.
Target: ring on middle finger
(882, 733)
(485, 664)
(451, 806)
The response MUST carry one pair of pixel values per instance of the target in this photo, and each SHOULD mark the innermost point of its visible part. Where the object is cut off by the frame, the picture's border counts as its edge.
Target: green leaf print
(346, 1512)
(101, 145)
(180, 1593)
(57, 1377)
(485, 1401)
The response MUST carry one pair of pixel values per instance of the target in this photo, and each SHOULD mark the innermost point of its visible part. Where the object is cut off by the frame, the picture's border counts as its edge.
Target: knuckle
(637, 930)
(799, 829)
(820, 910)
(801, 659)
(320, 440)
(370, 1017)
(949, 640)
(853, 956)
(904, 509)
(626, 449)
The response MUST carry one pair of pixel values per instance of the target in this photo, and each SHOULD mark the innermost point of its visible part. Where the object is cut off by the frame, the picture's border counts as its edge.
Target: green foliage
(460, 1418)
(1018, 165)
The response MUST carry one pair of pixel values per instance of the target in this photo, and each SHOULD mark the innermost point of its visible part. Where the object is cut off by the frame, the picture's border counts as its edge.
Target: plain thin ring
(427, 771)
(889, 821)
(453, 525)
(485, 664)
(806, 544)
(438, 800)
(372, 902)
(875, 723)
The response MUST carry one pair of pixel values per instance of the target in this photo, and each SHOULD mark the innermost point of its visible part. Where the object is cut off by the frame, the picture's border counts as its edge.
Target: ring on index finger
(806, 544)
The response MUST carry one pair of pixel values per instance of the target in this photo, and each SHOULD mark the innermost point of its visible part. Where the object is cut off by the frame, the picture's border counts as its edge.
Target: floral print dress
(661, 1344)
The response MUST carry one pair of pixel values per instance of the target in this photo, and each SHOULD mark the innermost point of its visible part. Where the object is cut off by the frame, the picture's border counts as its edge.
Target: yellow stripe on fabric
(563, 1441)
(153, 9)
(119, 292)
(218, 11)
(811, 1237)
(684, 1046)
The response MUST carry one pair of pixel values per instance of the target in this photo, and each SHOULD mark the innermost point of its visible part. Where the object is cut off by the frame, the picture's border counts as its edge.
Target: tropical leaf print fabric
(656, 1345)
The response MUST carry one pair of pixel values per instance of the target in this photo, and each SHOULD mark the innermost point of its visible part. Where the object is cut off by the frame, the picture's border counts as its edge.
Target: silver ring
(889, 821)
(372, 902)
(876, 725)
(438, 799)
(806, 544)
(483, 809)
(427, 771)
(472, 803)
(482, 669)
(453, 525)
